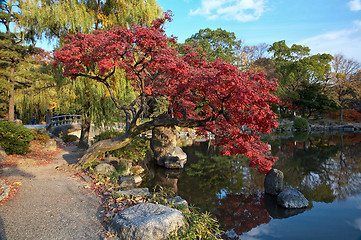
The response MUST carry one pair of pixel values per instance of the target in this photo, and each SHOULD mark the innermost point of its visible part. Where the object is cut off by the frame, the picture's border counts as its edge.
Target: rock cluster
(286, 197)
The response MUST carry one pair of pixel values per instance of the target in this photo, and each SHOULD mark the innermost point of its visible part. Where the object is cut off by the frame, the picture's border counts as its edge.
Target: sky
(326, 26)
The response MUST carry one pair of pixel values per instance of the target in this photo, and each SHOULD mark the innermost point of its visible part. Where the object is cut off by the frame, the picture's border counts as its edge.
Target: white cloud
(240, 10)
(357, 224)
(354, 5)
(346, 41)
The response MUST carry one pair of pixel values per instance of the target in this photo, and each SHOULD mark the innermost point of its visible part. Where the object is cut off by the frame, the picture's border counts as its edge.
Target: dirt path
(50, 203)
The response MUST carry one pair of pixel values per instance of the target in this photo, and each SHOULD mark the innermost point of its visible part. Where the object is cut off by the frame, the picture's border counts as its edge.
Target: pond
(325, 168)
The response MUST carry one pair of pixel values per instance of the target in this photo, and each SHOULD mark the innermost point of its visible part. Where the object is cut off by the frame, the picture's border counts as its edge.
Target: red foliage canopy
(233, 105)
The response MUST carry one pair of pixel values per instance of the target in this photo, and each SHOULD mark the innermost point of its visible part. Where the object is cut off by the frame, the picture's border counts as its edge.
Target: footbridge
(63, 123)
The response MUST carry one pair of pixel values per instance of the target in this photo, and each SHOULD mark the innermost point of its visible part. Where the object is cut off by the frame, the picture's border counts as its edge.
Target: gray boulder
(136, 192)
(50, 145)
(273, 182)
(291, 198)
(127, 182)
(147, 221)
(104, 168)
(5, 189)
(165, 151)
(278, 212)
(178, 201)
(3, 155)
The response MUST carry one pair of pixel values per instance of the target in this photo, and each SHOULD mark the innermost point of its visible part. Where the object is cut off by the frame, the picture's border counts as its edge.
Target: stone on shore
(104, 168)
(178, 201)
(147, 221)
(136, 192)
(3, 155)
(5, 189)
(50, 145)
(127, 182)
(273, 182)
(291, 198)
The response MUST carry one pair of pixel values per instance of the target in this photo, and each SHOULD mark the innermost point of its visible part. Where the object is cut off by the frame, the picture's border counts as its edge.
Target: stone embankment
(321, 126)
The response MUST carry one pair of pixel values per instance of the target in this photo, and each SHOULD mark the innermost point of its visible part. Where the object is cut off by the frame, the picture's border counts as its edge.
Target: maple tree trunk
(11, 112)
(103, 146)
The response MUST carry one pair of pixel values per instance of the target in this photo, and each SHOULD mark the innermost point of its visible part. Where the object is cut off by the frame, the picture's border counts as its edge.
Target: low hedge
(15, 138)
(300, 124)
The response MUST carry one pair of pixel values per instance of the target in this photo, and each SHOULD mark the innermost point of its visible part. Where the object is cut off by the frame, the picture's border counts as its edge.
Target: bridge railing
(64, 119)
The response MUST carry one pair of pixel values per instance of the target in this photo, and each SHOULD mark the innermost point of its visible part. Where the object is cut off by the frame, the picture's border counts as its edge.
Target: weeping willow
(89, 98)
(34, 88)
(55, 19)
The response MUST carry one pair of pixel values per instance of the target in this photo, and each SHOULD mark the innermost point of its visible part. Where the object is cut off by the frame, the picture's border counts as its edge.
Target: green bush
(15, 138)
(40, 136)
(134, 151)
(69, 138)
(300, 124)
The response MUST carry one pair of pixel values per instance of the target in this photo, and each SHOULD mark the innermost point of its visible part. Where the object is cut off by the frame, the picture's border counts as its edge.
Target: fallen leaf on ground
(16, 184)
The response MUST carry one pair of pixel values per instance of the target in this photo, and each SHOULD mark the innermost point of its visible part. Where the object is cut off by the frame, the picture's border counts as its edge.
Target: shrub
(134, 151)
(300, 124)
(69, 138)
(40, 136)
(15, 138)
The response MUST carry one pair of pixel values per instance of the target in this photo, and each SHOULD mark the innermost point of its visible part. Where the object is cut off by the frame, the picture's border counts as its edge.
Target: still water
(325, 168)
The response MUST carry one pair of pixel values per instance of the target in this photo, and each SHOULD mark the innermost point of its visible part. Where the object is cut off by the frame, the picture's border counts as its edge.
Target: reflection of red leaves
(242, 212)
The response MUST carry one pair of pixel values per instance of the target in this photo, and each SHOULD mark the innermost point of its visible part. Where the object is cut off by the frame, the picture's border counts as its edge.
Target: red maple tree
(213, 96)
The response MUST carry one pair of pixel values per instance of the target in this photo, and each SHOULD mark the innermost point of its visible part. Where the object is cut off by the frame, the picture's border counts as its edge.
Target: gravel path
(50, 203)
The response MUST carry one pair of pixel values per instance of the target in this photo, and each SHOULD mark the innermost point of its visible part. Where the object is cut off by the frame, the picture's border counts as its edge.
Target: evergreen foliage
(15, 138)
(300, 124)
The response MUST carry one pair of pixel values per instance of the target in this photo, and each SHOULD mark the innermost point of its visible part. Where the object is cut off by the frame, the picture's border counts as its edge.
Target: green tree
(297, 68)
(313, 99)
(217, 44)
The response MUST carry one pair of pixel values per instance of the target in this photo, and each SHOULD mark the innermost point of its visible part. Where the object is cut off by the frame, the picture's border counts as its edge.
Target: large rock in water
(3, 155)
(147, 221)
(291, 198)
(273, 183)
(163, 145)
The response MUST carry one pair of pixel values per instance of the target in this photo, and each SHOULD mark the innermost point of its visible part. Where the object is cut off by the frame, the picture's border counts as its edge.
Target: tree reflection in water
(240, 212)
(322, 167)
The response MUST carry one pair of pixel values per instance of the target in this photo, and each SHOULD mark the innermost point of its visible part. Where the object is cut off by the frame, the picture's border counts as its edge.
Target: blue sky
(326, 26)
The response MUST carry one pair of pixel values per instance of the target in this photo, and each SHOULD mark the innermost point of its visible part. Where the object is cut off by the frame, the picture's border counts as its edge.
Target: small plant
(300, 124)
(199, 226)
(15, 138)
(40, 136)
